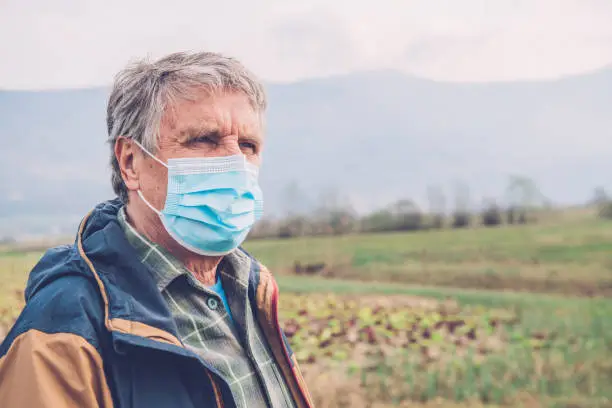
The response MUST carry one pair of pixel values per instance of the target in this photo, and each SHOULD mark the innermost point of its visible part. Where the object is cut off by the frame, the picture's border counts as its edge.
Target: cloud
(531, 42)
(315, 42)
(15, 196)
(70, 43)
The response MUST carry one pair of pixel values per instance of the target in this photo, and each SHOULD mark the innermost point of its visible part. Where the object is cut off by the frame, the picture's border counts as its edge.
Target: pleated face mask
(211, 203)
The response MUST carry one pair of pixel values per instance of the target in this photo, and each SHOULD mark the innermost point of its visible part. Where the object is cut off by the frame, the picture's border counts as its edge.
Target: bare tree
(335, 213)
(437, 206)
(603, 203)
(491, 214)
(407, 215)
(295, 201)
(461, 216)
(523, 196)
(600, 197)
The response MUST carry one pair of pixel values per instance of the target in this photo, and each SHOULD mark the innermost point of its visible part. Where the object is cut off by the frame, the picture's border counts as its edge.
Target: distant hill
(373, 136)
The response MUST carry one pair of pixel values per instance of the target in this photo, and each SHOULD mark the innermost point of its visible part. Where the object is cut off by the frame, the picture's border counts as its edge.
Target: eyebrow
(193, 132)
(212, 131)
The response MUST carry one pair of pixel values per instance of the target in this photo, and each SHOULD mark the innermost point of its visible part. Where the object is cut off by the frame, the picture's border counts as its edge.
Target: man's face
(208, 126)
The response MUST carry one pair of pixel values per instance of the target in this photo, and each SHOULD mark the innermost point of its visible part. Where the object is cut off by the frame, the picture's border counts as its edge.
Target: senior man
(156, 304)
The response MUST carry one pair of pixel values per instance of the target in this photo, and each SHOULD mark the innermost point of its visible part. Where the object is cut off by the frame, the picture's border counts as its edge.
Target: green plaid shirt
(235, 348)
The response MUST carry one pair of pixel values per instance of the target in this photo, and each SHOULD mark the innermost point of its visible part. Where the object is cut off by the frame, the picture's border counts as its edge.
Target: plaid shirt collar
(166, 268)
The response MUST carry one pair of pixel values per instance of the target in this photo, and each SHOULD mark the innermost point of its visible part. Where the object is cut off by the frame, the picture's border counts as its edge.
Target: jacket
(96, 332)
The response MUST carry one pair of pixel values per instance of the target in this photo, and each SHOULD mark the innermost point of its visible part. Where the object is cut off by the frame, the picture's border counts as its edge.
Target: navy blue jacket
(96, 332)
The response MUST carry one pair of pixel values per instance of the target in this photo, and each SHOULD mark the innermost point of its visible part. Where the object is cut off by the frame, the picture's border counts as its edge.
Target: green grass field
(574, 257)
(514, 316)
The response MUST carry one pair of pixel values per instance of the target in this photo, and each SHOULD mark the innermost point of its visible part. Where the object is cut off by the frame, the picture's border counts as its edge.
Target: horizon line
(556, 78)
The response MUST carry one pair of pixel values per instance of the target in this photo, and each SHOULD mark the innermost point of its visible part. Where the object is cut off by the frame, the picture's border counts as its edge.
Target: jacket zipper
(279, 332)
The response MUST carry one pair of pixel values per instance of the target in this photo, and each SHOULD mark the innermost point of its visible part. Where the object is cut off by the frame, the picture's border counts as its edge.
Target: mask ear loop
(155, 210)
(150, 154)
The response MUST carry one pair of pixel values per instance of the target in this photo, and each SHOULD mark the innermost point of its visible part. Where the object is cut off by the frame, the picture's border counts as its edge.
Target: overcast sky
(77, 43)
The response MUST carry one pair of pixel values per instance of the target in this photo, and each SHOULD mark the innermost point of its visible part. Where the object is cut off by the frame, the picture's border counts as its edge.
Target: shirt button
(212, 303)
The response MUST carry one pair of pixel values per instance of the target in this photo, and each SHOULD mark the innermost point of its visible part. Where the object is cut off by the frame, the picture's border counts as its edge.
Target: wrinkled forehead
(196, 92)
(226, 113)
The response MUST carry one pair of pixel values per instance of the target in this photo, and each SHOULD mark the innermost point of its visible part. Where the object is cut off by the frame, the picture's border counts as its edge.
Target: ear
(125, 151)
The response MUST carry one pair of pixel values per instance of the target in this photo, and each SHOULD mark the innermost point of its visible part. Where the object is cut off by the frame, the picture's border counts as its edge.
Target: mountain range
(369, 138)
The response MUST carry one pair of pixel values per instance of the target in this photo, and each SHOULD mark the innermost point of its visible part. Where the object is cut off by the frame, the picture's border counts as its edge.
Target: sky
(47, 44)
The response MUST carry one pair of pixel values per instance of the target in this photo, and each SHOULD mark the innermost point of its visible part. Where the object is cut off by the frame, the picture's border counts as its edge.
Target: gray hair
(144, 90)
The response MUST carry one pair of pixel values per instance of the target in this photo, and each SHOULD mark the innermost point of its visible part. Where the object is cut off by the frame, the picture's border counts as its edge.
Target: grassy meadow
(508, 316)
(570, 256)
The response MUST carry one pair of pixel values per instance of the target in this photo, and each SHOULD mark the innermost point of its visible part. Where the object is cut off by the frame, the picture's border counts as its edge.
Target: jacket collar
(136, 313)
(133, 302)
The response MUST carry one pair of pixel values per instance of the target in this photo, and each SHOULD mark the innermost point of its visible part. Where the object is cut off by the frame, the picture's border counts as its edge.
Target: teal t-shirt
(218, 289)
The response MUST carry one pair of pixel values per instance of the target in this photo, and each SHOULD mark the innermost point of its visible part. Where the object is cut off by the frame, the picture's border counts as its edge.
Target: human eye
(248, 147)
(207, 139)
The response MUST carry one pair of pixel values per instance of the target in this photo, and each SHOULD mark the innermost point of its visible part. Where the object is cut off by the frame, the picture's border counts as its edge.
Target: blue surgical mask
(212, 202)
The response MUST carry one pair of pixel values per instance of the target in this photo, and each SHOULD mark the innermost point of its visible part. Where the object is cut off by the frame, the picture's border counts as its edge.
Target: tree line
(336, 217)
(603, 203)
(401, 216)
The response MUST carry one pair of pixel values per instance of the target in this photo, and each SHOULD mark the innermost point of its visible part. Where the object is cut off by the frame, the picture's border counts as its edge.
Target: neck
(147, 223)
